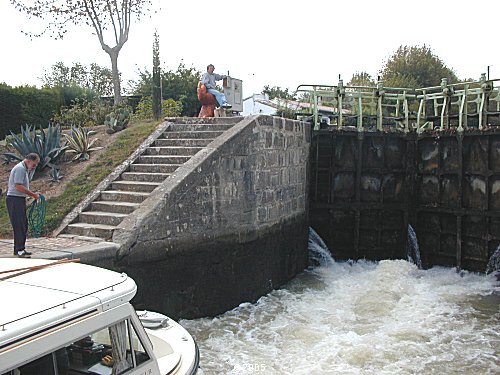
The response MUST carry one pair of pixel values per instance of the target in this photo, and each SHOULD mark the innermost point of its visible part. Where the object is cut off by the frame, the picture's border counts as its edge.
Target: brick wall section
(238, 208)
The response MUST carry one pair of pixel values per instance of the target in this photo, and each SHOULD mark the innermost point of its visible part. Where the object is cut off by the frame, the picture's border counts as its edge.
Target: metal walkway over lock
(458, 106)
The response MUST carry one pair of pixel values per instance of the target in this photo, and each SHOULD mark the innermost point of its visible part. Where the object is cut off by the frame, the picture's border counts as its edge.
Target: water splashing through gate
(319, 254)
(412, 248)
(494, 262)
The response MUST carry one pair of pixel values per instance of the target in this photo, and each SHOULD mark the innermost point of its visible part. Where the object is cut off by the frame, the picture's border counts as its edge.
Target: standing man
(19, 188)
(208, 79)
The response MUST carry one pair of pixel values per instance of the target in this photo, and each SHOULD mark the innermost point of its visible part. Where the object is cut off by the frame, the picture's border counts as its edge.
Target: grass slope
(57, 208)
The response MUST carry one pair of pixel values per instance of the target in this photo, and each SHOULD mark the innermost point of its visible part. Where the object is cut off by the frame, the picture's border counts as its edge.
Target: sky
(274, 42)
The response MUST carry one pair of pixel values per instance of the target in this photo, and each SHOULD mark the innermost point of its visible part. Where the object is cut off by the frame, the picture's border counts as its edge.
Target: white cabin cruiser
(62, 317)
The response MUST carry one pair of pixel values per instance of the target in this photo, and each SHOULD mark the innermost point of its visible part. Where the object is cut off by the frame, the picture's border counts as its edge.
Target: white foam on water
(366, 318)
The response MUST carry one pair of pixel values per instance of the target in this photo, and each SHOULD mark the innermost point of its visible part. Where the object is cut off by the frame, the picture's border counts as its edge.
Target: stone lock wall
(227, 227)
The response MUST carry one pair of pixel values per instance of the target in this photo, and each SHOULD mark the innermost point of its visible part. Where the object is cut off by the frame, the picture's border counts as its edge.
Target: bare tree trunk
(113, 55)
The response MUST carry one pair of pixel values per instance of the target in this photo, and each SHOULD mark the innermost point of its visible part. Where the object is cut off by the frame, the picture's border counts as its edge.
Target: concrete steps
(192, 134)
(101, 217)
(144, 176)
(124, 195)
(188, 142)
(135, 186)
(163, 159)
(200, 127)
(92, 230)
(153, 168)
(114, 206)
(172, 150)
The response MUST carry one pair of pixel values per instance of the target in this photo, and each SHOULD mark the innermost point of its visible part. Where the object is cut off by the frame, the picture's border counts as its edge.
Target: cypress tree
(156, 78)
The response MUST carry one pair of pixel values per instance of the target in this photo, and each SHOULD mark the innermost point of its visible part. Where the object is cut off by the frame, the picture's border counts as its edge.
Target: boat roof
(57, 291)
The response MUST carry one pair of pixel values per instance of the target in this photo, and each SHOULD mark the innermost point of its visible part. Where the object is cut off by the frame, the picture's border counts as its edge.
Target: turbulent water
(387, 317)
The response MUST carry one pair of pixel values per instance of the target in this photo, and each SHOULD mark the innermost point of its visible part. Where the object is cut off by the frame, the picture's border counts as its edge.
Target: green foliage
(179, 85)
(415, 67)
(46, 144)
(170, 108)
(144, 109)
(402, 81)
(26, 105)
(83, 113)
(69, 95)
(278, 92)
(361, 79)
(117, 120)
(79, 142)
(94, 78)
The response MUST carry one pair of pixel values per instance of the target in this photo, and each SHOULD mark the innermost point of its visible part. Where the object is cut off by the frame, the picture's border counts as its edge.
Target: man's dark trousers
(16, 207)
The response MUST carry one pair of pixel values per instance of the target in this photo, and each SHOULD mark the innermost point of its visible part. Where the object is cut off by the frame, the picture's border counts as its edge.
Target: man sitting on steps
(208, 79)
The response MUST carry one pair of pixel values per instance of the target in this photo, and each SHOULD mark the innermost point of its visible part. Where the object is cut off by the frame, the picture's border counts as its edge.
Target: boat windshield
(113, 350)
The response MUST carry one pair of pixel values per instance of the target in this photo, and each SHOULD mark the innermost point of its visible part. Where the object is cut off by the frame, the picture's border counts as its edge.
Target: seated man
(208, 79)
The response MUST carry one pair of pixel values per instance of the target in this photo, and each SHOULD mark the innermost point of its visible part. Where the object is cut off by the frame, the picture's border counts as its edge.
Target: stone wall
(227, 227)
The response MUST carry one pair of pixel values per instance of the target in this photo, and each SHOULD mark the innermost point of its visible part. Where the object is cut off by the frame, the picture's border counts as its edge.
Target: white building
(258, 104)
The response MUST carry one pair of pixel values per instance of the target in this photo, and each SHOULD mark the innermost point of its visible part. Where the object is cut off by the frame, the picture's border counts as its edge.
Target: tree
(156, 78)
(107, 18)
(179, 85)
(278, 92)
(361, 79)
(96, 78)
(414, 67)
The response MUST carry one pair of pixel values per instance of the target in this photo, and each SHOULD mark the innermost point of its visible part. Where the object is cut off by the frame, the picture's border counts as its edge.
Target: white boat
(63, 317)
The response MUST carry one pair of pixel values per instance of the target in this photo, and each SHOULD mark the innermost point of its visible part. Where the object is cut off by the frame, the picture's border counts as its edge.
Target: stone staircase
(125, 194)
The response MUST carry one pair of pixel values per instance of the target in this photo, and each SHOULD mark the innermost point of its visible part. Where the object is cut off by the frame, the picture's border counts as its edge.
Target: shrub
(26, 105)
(144, 109)
(72, 93)
(46, 144)
(82, 114)
(170, 108)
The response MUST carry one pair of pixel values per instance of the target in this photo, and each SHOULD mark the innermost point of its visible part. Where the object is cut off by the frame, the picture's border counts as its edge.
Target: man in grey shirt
(18, 190)
(208, 79)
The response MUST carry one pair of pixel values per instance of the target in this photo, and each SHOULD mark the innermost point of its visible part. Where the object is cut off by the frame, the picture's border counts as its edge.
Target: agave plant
(78, 141)
(47, 144)
(55, 174)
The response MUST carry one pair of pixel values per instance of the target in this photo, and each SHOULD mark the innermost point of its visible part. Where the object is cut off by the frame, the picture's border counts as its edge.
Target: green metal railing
(460, 106)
